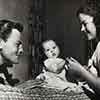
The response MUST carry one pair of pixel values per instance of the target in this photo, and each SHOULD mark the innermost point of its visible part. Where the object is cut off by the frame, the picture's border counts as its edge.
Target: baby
(53, 63)
(54, 70)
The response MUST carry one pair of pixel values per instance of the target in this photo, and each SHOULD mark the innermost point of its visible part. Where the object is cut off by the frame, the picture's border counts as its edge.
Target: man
(10, 48)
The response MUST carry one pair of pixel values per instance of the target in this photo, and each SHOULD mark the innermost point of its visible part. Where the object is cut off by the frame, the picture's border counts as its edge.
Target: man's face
(51, 49)
(12, 48)
(87, 26)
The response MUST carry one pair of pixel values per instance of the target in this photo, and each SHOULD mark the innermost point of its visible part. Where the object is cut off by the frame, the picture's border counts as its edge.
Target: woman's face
(87, 26)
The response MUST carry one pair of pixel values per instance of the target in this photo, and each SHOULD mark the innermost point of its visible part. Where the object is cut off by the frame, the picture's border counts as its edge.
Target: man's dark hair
(6, 27)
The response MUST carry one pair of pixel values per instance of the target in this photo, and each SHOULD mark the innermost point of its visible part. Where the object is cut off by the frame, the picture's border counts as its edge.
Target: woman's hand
(74, 66)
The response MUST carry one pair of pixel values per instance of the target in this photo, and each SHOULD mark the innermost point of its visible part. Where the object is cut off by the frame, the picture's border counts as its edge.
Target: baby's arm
(41, 76)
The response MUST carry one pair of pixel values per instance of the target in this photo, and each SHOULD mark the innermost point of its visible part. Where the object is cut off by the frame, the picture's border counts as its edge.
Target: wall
(19, 10)
(63, 26)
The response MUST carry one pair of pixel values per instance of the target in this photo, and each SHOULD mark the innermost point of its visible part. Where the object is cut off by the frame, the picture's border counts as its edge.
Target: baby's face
(51, 50)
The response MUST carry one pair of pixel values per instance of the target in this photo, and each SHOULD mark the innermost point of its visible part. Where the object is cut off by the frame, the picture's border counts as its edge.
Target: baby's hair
(48, 41)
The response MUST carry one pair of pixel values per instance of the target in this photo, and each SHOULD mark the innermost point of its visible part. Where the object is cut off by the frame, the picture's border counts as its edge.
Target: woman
(89, 18)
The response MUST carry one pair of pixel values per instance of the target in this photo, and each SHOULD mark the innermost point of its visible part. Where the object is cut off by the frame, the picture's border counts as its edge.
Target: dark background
(63, 26)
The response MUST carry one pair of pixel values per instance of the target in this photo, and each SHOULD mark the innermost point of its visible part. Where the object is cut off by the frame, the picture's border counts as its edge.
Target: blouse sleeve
(94, 61)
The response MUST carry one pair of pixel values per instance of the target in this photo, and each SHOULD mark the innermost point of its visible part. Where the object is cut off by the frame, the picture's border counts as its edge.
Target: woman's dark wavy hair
(92, 10)
(6, 27)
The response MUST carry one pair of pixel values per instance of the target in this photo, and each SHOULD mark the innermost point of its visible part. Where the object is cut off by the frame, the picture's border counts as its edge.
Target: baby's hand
(59, 66)
(41, 77)
(62, 63)
(54, 65)
(54, 68)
